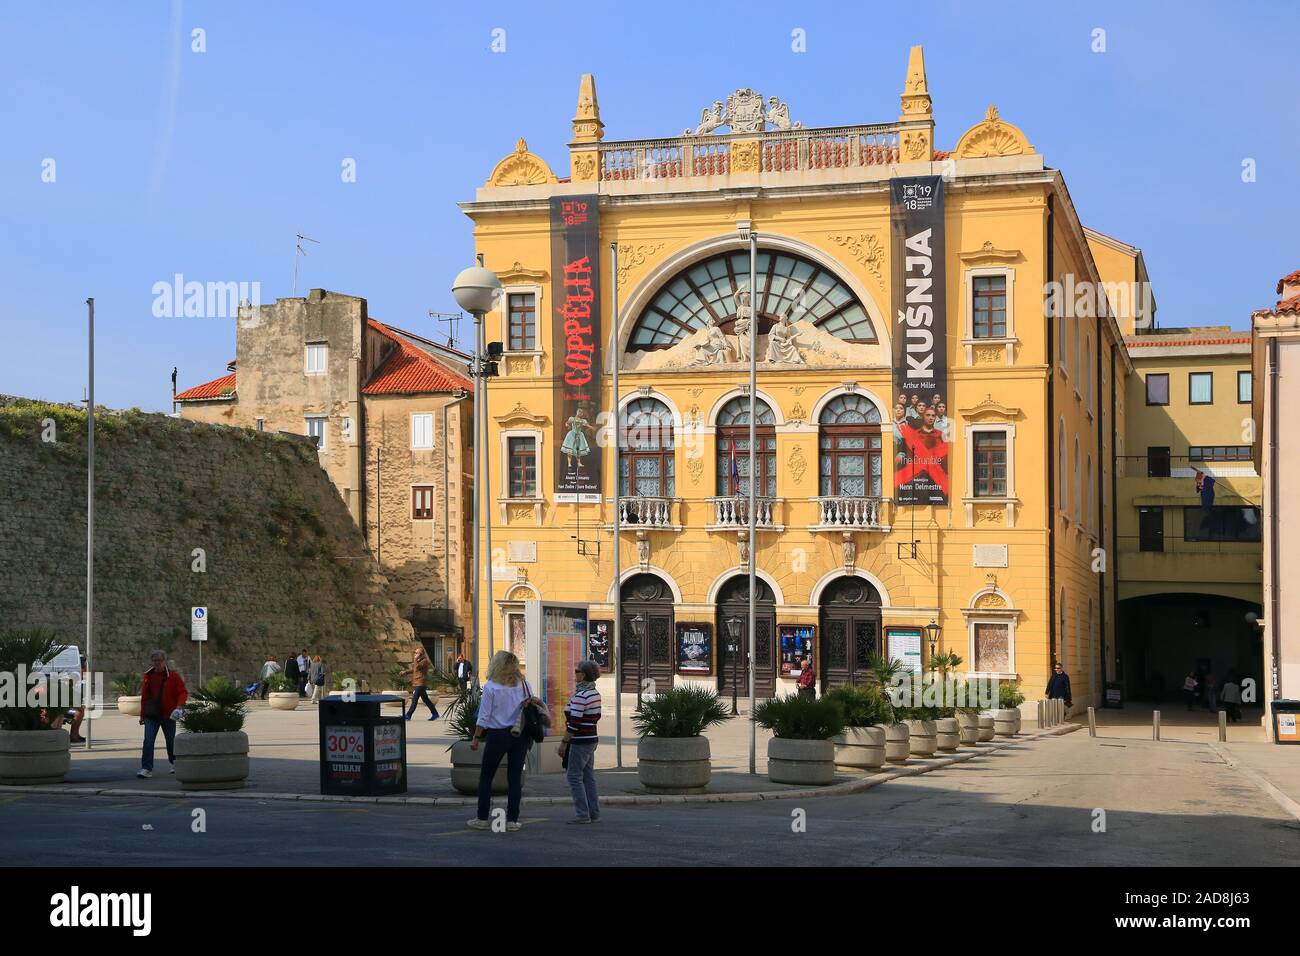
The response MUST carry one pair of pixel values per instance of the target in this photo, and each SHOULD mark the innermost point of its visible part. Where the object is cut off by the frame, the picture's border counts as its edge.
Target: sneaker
(516, 825)
(581, 820)
(477, 824)
(173, 769)
(144, 773)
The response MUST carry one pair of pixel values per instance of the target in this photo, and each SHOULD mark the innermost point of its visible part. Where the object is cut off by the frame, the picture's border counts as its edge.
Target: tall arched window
(704, 294)
(1087, 483)
(646, 467)
(1063, 498)
(1062, 636)
(1078, 485)
(733, 448)
(850, 448)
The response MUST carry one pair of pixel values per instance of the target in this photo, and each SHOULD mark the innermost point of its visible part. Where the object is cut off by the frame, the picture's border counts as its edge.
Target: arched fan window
(705, 293)
(849, 436)
(646, 450)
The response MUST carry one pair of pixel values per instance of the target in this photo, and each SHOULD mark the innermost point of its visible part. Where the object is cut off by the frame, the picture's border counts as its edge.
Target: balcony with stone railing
(852, 513)
(690, 157)
(644, 513)
(731, 513)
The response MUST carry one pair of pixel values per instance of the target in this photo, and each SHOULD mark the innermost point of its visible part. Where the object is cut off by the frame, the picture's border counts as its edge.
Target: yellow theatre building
(934, 445)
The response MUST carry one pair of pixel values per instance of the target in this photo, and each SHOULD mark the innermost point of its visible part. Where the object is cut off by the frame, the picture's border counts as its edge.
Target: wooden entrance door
(647, 662)
(733, 602)
(851, 633)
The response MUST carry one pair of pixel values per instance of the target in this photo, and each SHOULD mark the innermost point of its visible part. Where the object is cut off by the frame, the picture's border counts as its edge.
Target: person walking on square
(292, 671)
(807, 679)
(420, 684)
(269, 668)
(304, 671)
(316, 678)
(500, 719)
(1190, 686)
(1058, 686)
(578, 749)
(162, 695)
(464, 672)
(1232, 698)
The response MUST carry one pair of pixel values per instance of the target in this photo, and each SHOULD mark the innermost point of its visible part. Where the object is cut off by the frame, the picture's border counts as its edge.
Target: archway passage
(649, 658)
(1162, 637)
(733, 605)
(850, 631)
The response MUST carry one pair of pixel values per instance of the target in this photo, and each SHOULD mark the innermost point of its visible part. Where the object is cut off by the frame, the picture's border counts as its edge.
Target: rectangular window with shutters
(992, 648)
(421, 502)
(316, 429)
(422, 431)
(523, 322)
(523, 468)
(317, 358)
(989, 318)
(990, 462)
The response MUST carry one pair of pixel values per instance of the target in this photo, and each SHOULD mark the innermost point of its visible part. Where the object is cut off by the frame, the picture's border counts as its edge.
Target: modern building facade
(390, 411)
(918, 460)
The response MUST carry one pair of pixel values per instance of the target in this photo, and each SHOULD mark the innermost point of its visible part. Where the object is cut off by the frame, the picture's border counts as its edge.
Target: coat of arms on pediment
(744, 112)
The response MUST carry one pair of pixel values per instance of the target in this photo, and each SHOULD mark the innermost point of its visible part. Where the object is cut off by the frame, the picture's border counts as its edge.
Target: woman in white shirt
(499, 712)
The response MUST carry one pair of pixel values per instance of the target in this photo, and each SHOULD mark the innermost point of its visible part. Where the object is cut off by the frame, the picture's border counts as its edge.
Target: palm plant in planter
(947, 727)
(922, 719)
(1006, 719)
(212, 748)
(466, 763)
(398, 681)
(800, 750)
(126, 688)
(673, 753)
(282, 693)
(861, 744)
(30, 752)
(884, 671)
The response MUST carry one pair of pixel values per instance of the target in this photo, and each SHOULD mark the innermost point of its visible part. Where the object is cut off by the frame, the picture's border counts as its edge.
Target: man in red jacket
(162, 695)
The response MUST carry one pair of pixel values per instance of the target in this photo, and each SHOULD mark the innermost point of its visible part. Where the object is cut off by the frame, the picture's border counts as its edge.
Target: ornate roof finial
(916, 90)
(587, 127)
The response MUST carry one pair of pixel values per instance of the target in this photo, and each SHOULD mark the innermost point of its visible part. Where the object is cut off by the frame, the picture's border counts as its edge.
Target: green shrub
(1009, 695)
(862, 706)
(399, 677)
(279, 683)
(126, 685)
(462, 716)
(216, 707)
(800, 718)
(24, 649)
(339, 679)
(680, 712)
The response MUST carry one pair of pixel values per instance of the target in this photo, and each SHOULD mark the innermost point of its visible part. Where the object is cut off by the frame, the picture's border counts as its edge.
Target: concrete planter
(283, 700)
(129, 706)
(924, 737)
(465, 767)
(33, 756)
(807, 762)
(862, 748)
(898, 742)
(947, 734)
(968, 726)
(986, 729)
(1006, 723)
(673, 764)
(217, 761)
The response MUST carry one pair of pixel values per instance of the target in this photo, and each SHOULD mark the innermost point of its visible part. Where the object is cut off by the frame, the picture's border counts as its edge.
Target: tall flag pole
(618, 479)
(753, 481)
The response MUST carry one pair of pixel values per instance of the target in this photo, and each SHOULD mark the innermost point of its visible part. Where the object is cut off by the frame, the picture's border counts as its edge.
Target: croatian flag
(735, 471)
(1205, 487)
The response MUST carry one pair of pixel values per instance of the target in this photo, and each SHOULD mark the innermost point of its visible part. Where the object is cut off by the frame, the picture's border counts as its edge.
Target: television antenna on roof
(298, 250)
(452, 321)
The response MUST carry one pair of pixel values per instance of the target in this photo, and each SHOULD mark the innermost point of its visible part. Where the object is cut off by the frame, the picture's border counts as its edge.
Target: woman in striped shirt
(581, 715)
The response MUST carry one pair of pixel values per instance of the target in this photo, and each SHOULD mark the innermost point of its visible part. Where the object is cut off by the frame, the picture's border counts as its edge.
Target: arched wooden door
(649, 658)
(851, 635)
(733, 602)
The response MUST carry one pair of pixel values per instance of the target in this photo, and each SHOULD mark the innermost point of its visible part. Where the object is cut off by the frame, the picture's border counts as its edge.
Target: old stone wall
(286, 567)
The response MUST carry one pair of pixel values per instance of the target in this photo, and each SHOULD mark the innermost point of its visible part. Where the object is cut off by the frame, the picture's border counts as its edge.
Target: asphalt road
(1164, 804)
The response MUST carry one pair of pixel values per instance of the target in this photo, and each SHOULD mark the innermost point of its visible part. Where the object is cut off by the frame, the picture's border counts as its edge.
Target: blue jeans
(582, 779)
(421, 694)
(502, 743)
(151, 725)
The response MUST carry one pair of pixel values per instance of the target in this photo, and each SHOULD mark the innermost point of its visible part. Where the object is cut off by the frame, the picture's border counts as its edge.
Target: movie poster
(576, 346)
(922, 428)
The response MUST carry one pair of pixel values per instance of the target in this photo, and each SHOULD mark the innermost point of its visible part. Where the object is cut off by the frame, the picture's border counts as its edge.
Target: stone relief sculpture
(711, 117)
(713, 351)
(744, 315)
(778, 115)
(783, 343)
(744, 113)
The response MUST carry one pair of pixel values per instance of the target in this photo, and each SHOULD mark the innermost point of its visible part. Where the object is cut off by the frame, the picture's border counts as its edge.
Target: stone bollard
(1155, 725)
(1223, 726)
(1092, 721)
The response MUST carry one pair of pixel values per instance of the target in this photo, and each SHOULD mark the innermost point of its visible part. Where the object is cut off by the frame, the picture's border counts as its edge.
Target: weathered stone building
(391, 417)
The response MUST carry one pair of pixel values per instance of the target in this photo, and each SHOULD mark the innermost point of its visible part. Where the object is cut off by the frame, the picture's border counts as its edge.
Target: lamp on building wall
(733, 649)
(637, 623)
(932, 632)
(477, 290)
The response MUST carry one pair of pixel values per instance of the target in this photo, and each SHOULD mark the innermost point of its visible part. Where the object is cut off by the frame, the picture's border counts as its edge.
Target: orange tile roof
(409, 369)
(1293, 277)
(1156, 341)
(223, 387)
(1289, 305)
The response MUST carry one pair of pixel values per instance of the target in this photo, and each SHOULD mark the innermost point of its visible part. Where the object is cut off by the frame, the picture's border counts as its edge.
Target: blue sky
(207, 164)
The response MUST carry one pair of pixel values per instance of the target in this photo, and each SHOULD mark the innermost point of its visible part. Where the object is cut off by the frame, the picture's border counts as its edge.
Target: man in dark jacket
(464, 672)
(292, 670)
(1058, 686)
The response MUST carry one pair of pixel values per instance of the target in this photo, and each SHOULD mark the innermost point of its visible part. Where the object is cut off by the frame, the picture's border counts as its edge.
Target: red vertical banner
(921, 465)
(576, 346)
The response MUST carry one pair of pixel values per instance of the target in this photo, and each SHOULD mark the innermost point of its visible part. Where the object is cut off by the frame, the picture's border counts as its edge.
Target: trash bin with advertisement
(1286, 721)
(362, 752)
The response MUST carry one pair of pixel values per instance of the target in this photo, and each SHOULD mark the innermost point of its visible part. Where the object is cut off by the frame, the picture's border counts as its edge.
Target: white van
(67, 661)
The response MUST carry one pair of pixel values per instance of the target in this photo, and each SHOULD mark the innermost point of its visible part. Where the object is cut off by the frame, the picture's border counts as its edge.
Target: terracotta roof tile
(1157, 341)
(409, 369)
(223, 387)
(1289, 305)
(1293, 277)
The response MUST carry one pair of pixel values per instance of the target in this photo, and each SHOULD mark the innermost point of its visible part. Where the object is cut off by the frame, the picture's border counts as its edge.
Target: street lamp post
(932, 631)
(733, 648)
(476, 290)
(637, 623)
